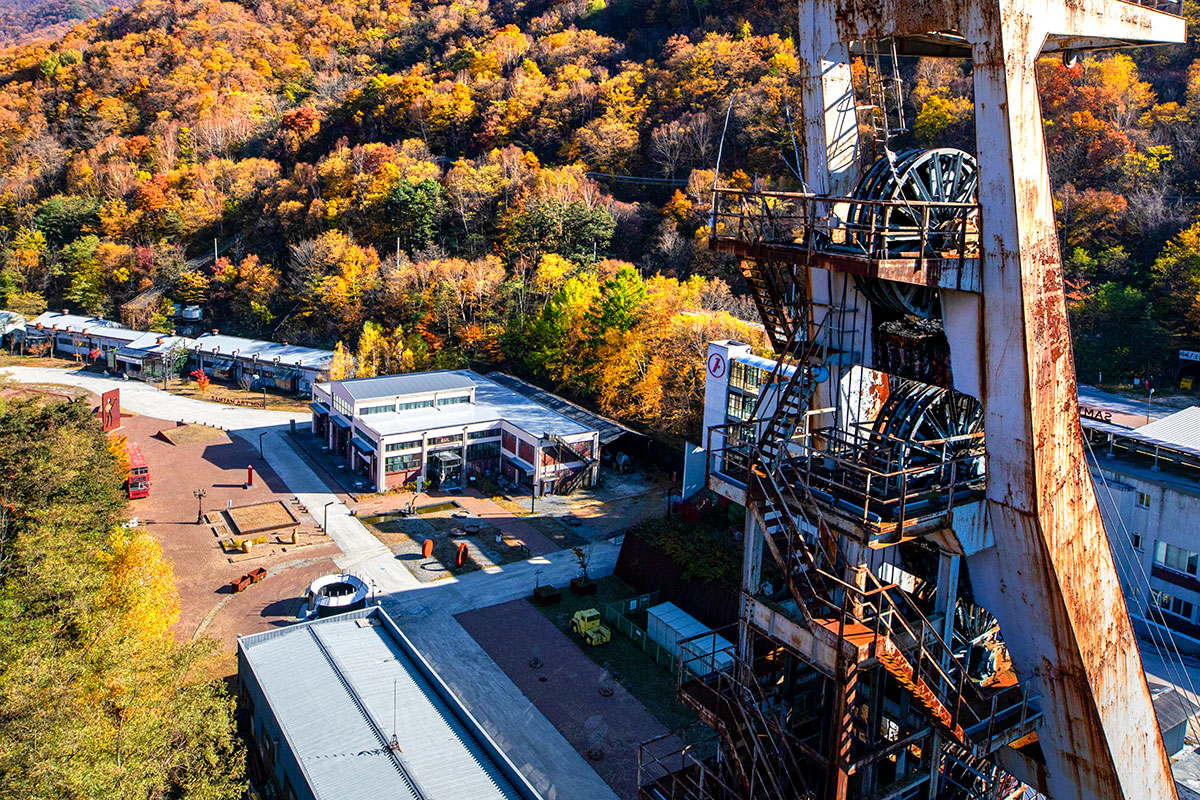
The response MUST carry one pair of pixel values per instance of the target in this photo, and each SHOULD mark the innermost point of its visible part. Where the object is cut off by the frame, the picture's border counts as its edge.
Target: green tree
(96, 698)
(1115, 335)
(413, 210)
(571, 230)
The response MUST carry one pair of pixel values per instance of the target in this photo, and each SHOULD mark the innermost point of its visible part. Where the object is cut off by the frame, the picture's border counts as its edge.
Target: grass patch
(434, 508)
(652, 684)
(555, 531)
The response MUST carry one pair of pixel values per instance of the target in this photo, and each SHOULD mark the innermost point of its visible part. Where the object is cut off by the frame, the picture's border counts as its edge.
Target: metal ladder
(885, 98)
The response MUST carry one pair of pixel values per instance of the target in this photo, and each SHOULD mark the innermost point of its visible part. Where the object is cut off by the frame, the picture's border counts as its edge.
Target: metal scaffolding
(929, 605)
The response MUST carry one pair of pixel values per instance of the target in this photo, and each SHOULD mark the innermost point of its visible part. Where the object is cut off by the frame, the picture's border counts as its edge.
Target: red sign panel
(110, 410)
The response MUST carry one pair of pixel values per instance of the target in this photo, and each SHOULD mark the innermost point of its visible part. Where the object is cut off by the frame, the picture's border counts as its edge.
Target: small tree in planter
(583, 585)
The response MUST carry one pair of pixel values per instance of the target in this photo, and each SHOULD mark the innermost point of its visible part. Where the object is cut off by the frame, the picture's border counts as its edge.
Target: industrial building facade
(437, 429)
(140, 354)
(1148, 483)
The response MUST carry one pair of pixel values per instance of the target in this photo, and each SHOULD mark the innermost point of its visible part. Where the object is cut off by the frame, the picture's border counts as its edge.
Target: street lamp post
(1149, 397)
(200, 494)
(325, 525)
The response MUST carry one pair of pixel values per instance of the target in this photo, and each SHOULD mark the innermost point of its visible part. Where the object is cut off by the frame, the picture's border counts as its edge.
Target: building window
(1136, 539)
(341, 406)
(376, 409)
(492, 434)
(482, 450)
(402, 463)
(453, 401)
(393, 447)
(1176, 558)
(508, 441)
(739, 406)
(414, 405)
(455, 439)
(525, 451)
(746, 377)
(1180, 608)
(1143, 500)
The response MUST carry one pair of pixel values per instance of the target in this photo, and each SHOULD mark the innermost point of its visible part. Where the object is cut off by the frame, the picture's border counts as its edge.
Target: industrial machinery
(930, 608)
(586, 624)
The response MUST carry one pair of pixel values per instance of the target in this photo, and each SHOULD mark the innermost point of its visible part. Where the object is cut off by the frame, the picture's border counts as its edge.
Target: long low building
(346, 707)
(140, 354)
(440, 428)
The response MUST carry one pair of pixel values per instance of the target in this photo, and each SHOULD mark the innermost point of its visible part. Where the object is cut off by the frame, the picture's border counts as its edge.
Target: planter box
(583, 586)
(257, 575)
(547, 596)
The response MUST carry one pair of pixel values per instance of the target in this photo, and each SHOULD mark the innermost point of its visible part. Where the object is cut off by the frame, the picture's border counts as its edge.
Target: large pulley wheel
(927, 426)
(943, 175)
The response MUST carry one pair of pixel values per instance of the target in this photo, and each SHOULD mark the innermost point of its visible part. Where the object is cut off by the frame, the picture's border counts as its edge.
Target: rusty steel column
(1054, 566)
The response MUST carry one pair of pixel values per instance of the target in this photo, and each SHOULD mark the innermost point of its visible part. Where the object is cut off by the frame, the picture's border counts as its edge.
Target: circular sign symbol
(820, 374)
(716, 365)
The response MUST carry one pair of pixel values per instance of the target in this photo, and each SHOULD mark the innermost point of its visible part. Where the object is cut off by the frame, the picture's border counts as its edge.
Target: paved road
(425, 611)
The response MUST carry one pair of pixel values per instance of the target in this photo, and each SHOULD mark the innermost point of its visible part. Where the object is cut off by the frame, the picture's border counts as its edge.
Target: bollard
(461, 557)
(427, 548)
(250, 477)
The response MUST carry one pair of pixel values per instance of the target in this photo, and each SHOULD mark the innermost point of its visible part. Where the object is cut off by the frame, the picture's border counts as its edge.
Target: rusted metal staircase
(904, 642)
(760, 757)
(576, 478)
(773, 287)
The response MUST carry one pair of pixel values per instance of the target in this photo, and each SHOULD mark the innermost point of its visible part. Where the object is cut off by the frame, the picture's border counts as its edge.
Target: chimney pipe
(215, 331)
(64, 312)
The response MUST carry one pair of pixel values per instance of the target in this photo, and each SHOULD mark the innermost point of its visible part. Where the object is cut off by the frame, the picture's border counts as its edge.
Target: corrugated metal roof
(335, 685)
(288, 354)
(411, 383)
(1180, 430)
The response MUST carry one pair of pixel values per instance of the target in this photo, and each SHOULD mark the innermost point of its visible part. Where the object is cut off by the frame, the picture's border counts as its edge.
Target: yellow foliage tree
(118, 445)
(342, 366)
(141, 585)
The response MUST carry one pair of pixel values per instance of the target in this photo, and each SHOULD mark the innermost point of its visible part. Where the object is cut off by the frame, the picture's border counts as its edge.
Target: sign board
(1189, 355)
(110, 410)
(716, 365)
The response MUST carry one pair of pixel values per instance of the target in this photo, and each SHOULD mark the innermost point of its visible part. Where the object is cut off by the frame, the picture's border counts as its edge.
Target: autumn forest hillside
(436, 184)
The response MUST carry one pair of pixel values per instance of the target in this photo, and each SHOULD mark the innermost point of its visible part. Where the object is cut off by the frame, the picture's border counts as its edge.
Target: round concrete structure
(335, 594)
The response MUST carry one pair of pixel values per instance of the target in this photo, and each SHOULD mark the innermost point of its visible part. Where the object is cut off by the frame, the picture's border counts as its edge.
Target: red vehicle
(139, 473)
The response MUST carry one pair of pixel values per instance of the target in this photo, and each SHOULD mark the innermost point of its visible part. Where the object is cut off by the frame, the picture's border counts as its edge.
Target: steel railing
(847, 226)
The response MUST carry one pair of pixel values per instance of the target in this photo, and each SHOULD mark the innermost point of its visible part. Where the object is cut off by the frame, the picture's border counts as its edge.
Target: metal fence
(616, 617)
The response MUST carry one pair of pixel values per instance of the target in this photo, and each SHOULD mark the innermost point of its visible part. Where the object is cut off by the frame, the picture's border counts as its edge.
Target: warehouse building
(439, 429)
(139, 354)
(281, 365)
(77, 335)
(346, 707)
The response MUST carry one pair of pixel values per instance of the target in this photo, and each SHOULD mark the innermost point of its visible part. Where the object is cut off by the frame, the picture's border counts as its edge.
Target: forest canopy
(430, 185)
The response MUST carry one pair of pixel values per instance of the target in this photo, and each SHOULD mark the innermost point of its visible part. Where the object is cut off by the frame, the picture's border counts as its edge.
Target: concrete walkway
(425, 611)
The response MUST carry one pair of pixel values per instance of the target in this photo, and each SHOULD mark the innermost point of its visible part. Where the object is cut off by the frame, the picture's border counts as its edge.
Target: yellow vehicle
(586, 623)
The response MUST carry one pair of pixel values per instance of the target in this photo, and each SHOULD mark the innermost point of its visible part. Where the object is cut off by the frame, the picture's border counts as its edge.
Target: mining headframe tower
(930, 606)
